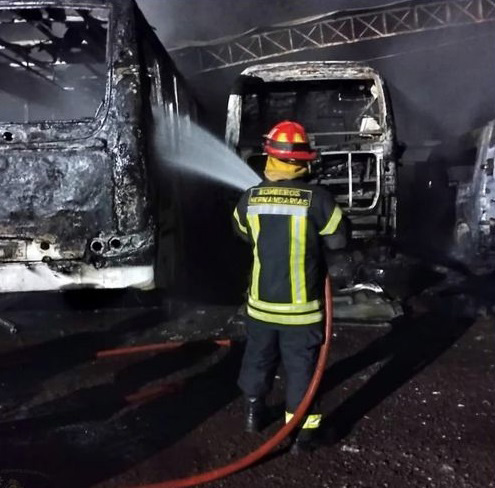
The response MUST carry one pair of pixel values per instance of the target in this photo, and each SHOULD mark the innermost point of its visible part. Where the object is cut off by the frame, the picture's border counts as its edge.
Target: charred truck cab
(346, 111)
(77, 88)
(473, 179)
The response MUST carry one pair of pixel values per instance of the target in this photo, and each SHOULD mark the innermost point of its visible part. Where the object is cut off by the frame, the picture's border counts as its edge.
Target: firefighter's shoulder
(321, 194)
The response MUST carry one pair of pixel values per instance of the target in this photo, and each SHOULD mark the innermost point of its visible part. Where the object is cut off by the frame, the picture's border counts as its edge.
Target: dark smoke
(440, 81)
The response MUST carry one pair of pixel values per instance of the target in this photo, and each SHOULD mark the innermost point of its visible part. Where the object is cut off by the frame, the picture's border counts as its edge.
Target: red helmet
(288, 140)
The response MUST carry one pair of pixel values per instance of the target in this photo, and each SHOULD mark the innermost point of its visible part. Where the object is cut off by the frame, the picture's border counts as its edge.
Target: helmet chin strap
(307, 164)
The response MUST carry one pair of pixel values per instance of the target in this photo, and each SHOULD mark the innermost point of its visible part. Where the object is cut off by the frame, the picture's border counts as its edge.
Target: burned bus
(346, 111)
(455, 202)
(79, 82)
(474, 235)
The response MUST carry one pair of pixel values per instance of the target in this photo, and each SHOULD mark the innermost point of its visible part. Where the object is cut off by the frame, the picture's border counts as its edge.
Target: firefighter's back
(284, 221)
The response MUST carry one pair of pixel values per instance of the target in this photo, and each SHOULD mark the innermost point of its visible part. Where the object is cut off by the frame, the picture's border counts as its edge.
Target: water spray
(184, 146)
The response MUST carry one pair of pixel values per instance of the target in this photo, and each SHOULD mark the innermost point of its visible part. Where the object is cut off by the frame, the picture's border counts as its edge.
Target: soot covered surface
(407, 404)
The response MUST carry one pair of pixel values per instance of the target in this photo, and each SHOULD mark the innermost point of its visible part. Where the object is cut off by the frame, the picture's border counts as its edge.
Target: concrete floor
(407, 405)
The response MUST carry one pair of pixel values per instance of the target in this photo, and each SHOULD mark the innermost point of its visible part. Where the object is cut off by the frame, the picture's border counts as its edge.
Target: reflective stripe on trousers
(312, 421)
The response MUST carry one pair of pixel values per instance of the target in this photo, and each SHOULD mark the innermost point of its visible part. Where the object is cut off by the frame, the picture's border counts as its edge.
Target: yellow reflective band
(311, 422)
(292, 258)
(333, 223)
(302, 259)
(305, 319)
(238, 220)
(298, 258)
(313, 306)
(254, 224)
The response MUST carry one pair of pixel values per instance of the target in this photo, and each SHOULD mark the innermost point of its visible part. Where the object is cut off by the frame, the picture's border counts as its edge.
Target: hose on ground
(285, 431)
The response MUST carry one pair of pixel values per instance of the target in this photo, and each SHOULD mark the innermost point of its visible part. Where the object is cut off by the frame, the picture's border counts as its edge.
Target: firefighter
(290, 224)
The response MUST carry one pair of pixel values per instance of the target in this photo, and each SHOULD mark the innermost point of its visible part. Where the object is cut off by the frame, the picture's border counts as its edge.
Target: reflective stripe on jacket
(285, 222)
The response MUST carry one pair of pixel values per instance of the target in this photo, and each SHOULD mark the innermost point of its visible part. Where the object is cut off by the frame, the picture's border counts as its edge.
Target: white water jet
(186, 146)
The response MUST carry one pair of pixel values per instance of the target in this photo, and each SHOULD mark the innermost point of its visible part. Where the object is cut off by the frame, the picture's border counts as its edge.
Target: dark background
(441, 82)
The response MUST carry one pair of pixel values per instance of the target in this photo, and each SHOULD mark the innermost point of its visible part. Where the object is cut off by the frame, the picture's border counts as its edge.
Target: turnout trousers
(297, 347)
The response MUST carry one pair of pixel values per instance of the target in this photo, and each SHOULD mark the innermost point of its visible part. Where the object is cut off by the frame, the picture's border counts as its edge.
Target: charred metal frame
(101, 233)
(374, 225)
(334, 29)
(382, 211)
(475, 207)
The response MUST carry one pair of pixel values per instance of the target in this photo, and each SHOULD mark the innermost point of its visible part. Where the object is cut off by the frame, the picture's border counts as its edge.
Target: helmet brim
(297, 155)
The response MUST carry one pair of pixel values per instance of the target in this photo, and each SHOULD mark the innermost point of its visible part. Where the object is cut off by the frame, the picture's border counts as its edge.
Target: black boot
(255, 414)
(306, 441)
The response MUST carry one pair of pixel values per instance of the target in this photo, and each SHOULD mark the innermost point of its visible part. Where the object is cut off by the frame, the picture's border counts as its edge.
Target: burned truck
(460, 174)
(78, 84)
(346, 111)
(474, 235)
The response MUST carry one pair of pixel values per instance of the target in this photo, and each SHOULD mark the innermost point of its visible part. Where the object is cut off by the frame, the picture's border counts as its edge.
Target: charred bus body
(344, 108)
(78, 87)
(346, 111)
(474, 235)
(456, 187)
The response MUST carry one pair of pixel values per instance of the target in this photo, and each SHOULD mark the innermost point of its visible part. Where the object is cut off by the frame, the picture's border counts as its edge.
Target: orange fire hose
(274, 441)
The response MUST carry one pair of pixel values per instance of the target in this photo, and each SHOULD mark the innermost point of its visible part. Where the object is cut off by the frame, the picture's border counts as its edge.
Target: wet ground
(409, 404)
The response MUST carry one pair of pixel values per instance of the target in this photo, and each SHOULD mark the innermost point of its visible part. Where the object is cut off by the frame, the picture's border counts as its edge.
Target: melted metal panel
(65, 184)
(380, 148)
(475, 207)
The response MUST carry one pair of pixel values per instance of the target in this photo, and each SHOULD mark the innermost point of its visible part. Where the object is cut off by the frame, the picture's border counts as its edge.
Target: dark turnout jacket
(288, 223)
